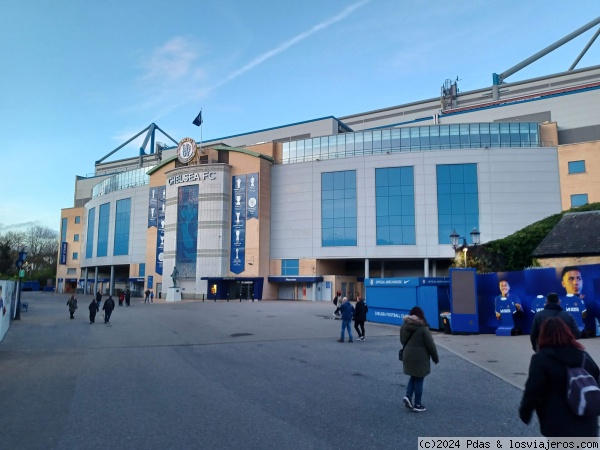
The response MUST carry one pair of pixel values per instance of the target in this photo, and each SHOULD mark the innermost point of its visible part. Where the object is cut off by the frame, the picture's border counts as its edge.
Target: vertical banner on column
(252, 196)
(237, 258)
(153, 207)
(160, 233)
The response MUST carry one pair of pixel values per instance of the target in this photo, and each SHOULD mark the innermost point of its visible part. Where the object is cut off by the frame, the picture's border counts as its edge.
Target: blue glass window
(75, 255)
(187, 230)
(63, 229)
(576, 166)
(579, 200)
(76, 238)
(395, 206)
(77, 219)
(122, 219)
(338, 209)
(142, 272)
(89, 245)
(290, 267)
(103, 220)
(458, 200)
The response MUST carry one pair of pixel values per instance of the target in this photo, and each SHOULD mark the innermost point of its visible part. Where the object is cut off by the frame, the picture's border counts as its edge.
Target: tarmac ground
(242, 375)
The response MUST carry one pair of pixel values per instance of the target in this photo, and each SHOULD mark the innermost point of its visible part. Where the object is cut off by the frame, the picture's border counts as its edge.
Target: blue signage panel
(386, 315)
(252, 201)
(153, 207)
(150, 282)
(237, 259)
(392, 282)
(160, 231)
(63, 252)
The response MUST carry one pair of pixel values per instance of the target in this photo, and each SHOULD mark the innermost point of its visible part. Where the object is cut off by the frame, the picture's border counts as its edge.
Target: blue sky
(80, 78)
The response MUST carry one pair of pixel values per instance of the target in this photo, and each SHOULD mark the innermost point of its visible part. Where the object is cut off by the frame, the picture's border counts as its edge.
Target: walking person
(337, 301)
(552, 308)
(121, 298)
(419, 349)
(147, 296)
(347, 311)
(127, 296)
(98, 300)
(151, 296)
(108, 307)
(360, 317)
(93, 309)
(546, 386)
(72, 304)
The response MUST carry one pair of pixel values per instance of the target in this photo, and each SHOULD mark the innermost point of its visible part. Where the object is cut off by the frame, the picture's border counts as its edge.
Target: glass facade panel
(103, 221)
(187, 230)
(290, 267)
(434, 137)
(63, 229)
(125, 180)
(122, 219)
(578, 200)
(89, 244)
(395, 206)
(458, 200)
(142, 271)
(338, 209)
(576, 166)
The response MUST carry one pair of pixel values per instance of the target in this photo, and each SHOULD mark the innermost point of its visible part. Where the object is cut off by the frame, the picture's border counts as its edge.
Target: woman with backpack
(546, 389)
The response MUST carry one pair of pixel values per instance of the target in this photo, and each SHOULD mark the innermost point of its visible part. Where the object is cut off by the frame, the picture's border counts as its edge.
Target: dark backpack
(583, 393)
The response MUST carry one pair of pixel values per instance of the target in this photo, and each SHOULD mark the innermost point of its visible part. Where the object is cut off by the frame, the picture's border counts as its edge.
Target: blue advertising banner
(150, 281)
(153, 207)
(237, 258)
(63, 252)
(160, 233)
(252, 196)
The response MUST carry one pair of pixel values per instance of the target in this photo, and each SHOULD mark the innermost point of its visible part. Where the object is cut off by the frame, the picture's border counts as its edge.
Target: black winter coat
(546, 393)
(360, 311)
(109, 304)
(419, 347)
(551, 310)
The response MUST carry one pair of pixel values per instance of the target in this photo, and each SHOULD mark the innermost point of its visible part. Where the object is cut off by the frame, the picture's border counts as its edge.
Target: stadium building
(303, 210)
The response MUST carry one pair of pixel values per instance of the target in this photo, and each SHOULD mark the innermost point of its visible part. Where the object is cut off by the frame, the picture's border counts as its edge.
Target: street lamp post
(20, 263)
(455, 240)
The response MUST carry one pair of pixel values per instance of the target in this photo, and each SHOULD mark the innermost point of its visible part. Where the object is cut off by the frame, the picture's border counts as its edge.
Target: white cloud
(171, 62)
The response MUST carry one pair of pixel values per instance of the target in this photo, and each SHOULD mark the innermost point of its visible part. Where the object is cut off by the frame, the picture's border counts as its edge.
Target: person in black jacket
(552, 308)
(546, 386)
(109, 305)
(93, 310)
(360, 316)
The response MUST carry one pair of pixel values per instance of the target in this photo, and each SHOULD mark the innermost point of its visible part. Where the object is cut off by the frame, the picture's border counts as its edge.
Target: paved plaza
(249, 375)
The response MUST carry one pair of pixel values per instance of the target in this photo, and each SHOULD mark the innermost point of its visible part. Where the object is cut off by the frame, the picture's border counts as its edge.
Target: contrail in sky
(271, 53)
(285, 45)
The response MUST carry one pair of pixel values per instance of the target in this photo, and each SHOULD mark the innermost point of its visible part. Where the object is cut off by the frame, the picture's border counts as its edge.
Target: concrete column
(426, 267)
(86, 288)
(95, 280)
(112, 280)
(367, 268)
(434, 268)
(382, 275)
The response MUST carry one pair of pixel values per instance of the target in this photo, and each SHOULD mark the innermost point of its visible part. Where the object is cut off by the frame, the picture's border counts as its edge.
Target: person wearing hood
(552, 308)
(546, 386)
(419, 349)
